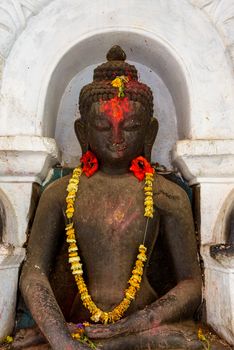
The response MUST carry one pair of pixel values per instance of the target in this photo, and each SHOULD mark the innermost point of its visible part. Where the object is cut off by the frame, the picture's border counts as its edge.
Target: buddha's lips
(117, 147)
(115, 108)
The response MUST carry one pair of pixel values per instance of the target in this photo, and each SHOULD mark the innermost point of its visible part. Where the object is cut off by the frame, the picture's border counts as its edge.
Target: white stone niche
(192, 80)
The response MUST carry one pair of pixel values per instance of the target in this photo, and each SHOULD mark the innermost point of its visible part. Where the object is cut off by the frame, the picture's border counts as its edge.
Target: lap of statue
(182, 335)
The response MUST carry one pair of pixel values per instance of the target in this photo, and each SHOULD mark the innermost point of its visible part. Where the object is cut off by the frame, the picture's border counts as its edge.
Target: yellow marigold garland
(134, 282)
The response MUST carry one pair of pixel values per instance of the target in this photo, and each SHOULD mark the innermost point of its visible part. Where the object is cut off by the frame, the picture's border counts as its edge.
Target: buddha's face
(116, 131)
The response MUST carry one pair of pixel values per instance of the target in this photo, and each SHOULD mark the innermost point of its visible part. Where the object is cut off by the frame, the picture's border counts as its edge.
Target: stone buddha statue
(113, 208)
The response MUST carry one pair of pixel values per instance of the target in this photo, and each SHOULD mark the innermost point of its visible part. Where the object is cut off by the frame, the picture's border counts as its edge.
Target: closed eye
(102, 127)
(131, 127)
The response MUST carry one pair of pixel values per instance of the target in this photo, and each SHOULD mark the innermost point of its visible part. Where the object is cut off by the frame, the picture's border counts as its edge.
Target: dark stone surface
(224, 250)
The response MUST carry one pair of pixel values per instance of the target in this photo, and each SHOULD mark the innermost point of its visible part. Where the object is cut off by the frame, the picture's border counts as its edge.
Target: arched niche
(229, 232)
(88, 53)
(228, 221)
(223, 228)
(165, 109)
(2, 221)
(66, 38)
(8, 220)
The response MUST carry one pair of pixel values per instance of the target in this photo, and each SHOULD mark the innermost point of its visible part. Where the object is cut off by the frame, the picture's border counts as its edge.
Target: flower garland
(98, 315)
(143, 170)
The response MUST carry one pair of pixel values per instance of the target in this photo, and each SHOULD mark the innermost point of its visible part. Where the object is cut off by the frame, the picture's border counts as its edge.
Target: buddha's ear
(81, 133)
(151, 134)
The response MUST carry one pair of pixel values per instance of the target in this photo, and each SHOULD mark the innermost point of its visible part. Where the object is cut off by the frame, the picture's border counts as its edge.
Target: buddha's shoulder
(169, 193)
(57, 189)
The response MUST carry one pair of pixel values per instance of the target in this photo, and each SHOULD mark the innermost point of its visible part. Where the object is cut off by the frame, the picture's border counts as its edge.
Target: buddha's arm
(184, 298)
(181, 301)
(34, 280)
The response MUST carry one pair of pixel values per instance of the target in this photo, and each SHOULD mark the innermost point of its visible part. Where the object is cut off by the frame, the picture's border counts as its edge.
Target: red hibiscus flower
(89, 163)
(140, 166)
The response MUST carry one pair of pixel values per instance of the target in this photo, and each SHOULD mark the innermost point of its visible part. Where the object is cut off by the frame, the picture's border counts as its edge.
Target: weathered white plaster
(221, 13)
(23, 160)
(13, 19)
(8, 217)
(10, 260)
(1, 68)
(224, 208)
(214, 209)
(26, 158)
(202, 159)
(14, 15)
(17, 215)
(219, 294)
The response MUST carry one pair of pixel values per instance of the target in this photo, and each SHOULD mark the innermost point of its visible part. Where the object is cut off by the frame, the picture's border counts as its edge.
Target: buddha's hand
(137, 322)
(83, 343)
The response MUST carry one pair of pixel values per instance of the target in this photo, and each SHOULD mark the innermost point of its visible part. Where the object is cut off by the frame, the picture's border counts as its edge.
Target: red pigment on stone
(115, 108)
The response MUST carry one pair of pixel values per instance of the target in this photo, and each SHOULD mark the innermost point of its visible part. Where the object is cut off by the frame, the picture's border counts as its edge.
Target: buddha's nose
(117, 135)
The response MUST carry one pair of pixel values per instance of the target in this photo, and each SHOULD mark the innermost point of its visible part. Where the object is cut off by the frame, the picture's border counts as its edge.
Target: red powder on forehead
(115, 108)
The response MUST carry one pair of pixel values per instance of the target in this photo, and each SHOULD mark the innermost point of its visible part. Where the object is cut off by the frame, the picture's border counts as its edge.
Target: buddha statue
(113, 206)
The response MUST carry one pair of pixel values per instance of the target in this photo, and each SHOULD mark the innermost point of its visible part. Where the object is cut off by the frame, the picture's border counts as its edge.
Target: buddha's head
(116, 110)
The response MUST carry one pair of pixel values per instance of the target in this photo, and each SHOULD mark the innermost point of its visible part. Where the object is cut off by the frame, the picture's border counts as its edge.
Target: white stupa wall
(47, 52)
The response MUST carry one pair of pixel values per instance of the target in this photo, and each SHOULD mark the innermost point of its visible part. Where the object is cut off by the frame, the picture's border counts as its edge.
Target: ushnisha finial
(116, 53)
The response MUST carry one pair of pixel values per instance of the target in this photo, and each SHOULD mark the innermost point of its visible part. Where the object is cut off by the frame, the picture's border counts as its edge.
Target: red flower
(89, 163)
(140, 166)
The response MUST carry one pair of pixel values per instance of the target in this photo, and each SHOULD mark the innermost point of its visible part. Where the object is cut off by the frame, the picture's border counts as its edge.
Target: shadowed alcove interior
(229, 232)
(159, 68)
(8, 220)
(224, 226)
(2, 220)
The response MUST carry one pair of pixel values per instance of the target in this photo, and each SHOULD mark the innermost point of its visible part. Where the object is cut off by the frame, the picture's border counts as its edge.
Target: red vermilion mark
(115, 108)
